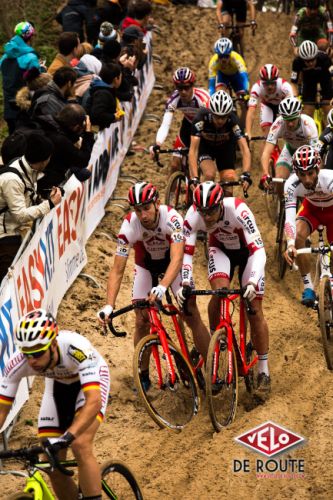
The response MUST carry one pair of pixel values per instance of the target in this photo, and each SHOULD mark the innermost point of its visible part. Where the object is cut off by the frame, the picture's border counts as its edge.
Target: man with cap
(19, 202)
(19, 58)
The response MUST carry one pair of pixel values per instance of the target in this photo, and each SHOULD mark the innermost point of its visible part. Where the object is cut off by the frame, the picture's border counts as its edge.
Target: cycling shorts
(143, 283)
(222, 264)
(224, 156)
(268, 113)
(313, 36)
(236, 82)
(315, 216)
(183, 139)
(239, 7)
(61, 402)
(285, 159)
(309, 89)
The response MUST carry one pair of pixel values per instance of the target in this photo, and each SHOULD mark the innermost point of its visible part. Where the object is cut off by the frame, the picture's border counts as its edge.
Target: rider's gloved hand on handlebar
(292, 38)
(246, 177)
(58, 443)
(253, 24)
(250, 292)
(105, 314)
(182, 295)
(265, 181)
(157, 293)
(153, 150)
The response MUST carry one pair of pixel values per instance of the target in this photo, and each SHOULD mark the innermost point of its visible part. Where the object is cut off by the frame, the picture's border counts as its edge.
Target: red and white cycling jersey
(306, 132)
(321, 197)
(150, 244)
(78, 361)
(199, 100)
(235, 230)
(259, 93)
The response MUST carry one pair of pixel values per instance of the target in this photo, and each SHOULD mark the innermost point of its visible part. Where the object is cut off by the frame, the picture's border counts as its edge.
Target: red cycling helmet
(207, 195)
(142, 193)
(269, 73)
(306, 158)
(183, 76)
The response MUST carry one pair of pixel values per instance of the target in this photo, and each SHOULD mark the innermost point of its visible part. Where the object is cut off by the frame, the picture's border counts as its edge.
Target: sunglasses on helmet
(269, 82)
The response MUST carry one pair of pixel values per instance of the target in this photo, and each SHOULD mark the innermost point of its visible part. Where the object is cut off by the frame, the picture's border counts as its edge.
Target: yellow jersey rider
(227, 69)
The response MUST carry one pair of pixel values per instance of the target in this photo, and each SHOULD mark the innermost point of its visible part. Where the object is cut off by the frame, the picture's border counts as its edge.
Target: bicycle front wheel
(177, 193)
(271, 197)
(221, 394)
(170, 405)
(326, 319)
(119, 482)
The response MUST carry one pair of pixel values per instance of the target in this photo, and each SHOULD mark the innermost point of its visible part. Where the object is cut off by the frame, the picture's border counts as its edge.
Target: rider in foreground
(215, 134)
(187, 99)
(295, 129)
(315, 186)
(227, 70)
(77, 383)
(269, 90)
(234, 240)
(155, 232)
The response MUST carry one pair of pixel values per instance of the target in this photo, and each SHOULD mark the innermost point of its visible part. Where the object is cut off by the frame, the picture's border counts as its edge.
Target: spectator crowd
(53, 110)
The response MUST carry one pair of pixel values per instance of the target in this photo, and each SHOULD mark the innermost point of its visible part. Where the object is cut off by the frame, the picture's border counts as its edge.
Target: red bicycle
(167, 377)
(228, 357)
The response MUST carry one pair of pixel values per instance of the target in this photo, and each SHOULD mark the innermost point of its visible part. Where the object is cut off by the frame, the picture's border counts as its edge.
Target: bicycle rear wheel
(177, 193)
(271, 197)
(169, 405)
(119, 482)
(221, 394)
(326, 319)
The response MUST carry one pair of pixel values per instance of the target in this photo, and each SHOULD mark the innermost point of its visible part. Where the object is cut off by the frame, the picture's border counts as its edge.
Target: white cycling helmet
(330, 118)
(35, 329)
(290, 108)
(223, 47)
(220, 103)
(308, 50)
(305, 158)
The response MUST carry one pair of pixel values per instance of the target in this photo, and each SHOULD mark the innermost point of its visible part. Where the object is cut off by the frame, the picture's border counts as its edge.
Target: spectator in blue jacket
(19, 58)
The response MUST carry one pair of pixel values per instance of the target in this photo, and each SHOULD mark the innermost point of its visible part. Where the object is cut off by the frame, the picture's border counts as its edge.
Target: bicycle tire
(281, 243)
(251, 378)
(22, 496)
(176, 193)
(325, 312)
(126, 487)
(222, 402)
(168, 412)
(271, 197)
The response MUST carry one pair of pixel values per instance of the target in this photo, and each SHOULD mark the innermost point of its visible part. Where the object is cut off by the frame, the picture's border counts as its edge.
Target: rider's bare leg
(227, 175)
(302, 233)
(208, 168)
(282, 172)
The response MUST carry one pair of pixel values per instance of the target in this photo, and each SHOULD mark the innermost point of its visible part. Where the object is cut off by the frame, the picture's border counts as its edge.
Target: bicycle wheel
(281, 243)
(271, 197)
(119, 482)
(251, 378)
(169, 405)
(221, 395)
(176, 193)
(326, 319)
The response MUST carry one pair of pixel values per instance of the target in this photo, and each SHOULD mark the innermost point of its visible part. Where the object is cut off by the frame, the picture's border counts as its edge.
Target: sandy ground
(197, 463)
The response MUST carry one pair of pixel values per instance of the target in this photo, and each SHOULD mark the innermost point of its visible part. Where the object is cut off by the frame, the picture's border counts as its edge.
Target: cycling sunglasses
(208, 211)
(184, 87)
(269, 82)
(224, 57)
(37, 354)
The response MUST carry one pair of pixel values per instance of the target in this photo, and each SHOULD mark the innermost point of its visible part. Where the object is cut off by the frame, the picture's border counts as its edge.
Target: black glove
(195, 181)
(246, 176)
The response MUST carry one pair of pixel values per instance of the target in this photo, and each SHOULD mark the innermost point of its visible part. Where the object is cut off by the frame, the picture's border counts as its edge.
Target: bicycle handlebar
(157, 151)
(31, 455)
(323, 250)
(222, 293)
(235, 183)
(139, 304)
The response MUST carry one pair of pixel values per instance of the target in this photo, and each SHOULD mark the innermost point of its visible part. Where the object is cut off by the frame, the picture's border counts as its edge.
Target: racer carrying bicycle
(325, 145)
(227, 70)
(295, 129)
(225, 9)
(234, 240)
(269, 90)
(310, 68)
(77, 383)
(187, 99)
(155, 232)
(314, 23)
(215, 134)
(315, 186)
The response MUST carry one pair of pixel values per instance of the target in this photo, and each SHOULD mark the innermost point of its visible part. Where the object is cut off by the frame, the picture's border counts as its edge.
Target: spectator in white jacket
(19, 202)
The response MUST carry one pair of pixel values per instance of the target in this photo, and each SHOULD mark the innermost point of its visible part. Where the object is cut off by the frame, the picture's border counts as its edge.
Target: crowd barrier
(56, 253)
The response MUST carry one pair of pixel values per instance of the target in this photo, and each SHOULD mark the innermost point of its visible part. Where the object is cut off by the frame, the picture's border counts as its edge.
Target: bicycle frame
(240, 348)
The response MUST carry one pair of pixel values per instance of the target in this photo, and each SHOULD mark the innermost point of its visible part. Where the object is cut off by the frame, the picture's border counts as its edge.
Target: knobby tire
(271, 197)
(176, 192)
(119, 482)
(326, 319)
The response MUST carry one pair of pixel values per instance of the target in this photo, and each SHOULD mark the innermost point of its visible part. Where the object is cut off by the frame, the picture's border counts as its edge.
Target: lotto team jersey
(151, 243)
(203, 127)
(236, 229)
(306, 132)
(259, 93)
(78, 361)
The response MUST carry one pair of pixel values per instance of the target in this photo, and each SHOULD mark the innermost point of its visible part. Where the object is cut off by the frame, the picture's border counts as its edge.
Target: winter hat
(92, 63)
(39, 148)
(25, 30)
(111, 50)
(132, 33)
(107, 32)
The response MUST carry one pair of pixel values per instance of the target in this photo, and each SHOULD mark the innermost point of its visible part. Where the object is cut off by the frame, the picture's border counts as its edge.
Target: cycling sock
(263, 363)
(307, 281)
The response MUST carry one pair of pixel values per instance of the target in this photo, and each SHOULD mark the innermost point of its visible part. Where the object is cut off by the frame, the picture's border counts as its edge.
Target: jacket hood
(97, 84)
(82, 69)
(23, 99)
(17, 47)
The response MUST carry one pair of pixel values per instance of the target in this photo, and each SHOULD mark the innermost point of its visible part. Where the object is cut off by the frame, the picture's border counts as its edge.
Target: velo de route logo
(271, 440)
